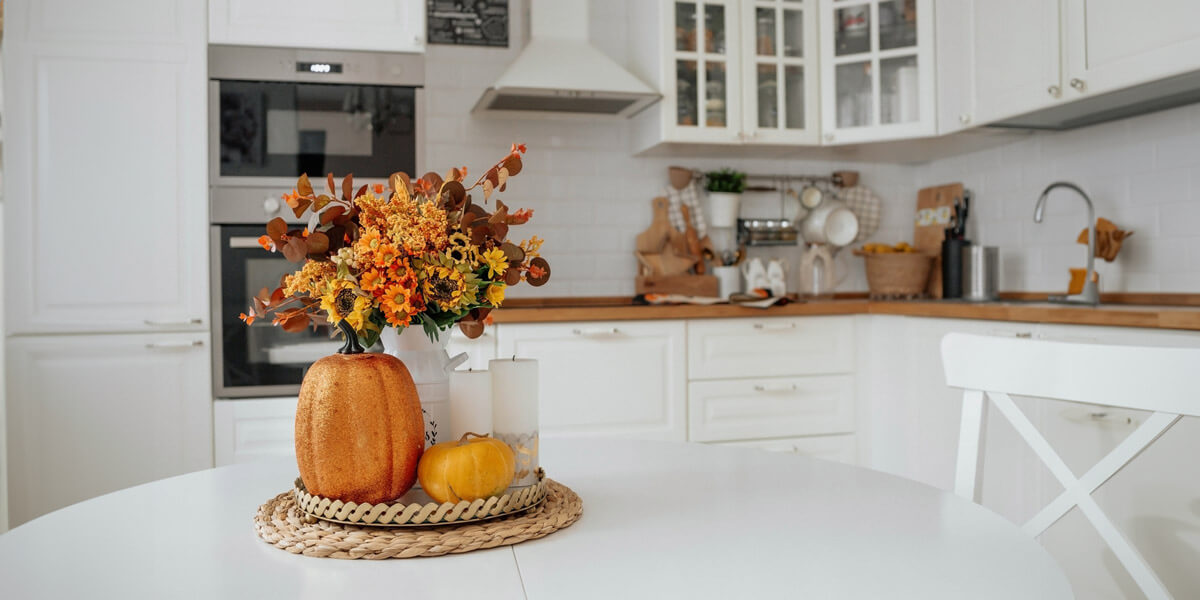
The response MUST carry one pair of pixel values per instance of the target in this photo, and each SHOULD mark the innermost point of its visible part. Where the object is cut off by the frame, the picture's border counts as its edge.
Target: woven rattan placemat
(282, 524)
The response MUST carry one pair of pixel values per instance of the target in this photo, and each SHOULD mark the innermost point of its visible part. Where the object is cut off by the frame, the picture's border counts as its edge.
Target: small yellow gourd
(468, 469)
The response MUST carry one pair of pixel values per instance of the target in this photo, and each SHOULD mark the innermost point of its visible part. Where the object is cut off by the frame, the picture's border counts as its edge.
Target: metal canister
(980, 272)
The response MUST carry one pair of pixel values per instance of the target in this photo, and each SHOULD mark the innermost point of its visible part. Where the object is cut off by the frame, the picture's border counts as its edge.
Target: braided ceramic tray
(416, 509)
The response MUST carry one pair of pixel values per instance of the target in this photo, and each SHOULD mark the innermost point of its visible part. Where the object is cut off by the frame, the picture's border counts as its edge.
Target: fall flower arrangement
(419, 251)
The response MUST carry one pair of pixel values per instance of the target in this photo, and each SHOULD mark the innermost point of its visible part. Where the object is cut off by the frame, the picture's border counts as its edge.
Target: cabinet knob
(1078, 84)
(964, 118)
(1054, 90)
(271, 205)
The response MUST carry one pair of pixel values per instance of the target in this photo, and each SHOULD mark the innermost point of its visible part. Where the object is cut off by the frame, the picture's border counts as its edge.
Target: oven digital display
(309, 67)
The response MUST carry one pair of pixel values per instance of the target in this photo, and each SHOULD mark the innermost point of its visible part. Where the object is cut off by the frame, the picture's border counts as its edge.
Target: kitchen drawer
(253, 430)
(770, 347)
(766, 408)
(837, 448)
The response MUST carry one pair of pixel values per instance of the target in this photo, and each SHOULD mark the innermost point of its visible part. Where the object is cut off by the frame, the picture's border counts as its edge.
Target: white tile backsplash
(1142, 173)
(591, 197)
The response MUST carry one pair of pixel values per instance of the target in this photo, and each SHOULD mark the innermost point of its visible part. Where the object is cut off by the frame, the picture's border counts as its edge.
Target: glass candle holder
(515, 413)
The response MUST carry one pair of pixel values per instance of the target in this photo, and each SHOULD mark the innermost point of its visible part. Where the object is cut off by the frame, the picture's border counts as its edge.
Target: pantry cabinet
(88, 415)
(877, 70)
(105, 179)
(386, 25)
(606, 378)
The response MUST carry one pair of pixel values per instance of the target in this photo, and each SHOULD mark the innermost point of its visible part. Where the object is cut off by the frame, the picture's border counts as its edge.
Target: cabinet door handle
(766, 389)
(775, 326)
(964, 118)
(597, 331)
(1054, 91)
(1025, 335)
(1078, 84)
(194, 321)
(174, 345)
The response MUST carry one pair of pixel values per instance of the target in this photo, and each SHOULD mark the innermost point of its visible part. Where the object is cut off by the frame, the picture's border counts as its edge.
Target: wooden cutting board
(935, 212)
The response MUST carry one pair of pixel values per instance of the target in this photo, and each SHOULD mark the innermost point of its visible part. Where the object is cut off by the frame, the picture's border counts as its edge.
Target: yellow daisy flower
(495, 294)
(497, 262)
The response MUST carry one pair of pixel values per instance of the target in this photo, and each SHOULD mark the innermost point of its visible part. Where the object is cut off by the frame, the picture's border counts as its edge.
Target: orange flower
(385, 255)
(518, 149)
(521, 216)
(378, 188)
(371, 281)
(266, 242)
(536, 271)
(249, 319)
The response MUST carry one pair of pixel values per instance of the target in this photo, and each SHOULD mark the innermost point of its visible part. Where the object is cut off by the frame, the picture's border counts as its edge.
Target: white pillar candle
(470, 403)
(515, 412)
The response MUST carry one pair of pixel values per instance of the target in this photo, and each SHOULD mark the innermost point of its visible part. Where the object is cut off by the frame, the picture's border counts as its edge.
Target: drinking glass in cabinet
(714, 105)
(764, 40)
(793, 97)
(793, 33)
(853, 25)
(897, 24)
(900, 101)
(685, 27)
(714, 29)
(687, 98)
(768, 97)
(854, 100)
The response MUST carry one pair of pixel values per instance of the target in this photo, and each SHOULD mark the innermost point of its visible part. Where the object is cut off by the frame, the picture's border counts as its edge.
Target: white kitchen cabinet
(622, 379)
(770, 407)
(877, 70)
(837, 448)
(479, 350)
(92, 414)
(780, 75)
(690, 52)
(250, 430)
(1114, 44)
(770, 347)
(105, 172)
(996, 60)
(385, 25)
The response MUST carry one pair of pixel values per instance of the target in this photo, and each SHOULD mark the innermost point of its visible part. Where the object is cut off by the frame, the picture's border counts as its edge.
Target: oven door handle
(244, 241)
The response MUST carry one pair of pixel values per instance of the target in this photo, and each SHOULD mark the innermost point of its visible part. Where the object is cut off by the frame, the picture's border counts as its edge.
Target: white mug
(729, 281)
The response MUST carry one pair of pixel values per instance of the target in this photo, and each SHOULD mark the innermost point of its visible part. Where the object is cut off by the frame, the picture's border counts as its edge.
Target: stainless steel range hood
(560, 72)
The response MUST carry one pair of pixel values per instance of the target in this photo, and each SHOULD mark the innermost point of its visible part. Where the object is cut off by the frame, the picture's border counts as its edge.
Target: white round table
(660, 520)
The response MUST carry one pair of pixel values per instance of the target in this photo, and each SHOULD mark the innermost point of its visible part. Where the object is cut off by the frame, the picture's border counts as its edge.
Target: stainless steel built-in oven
(275, 114)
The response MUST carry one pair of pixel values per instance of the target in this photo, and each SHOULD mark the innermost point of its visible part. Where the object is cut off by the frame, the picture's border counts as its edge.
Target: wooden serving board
(935, 212)
(687, 285)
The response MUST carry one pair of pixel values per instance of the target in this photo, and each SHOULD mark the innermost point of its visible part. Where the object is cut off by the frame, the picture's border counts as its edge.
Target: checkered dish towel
(866, 206)
(689, 198)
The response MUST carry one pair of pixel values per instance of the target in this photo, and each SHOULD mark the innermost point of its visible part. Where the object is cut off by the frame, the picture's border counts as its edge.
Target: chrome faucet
(1090, 294)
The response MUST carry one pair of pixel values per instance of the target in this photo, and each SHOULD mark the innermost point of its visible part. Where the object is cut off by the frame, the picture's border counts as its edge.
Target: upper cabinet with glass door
(779, 62)
(701, 92)
(877, 68)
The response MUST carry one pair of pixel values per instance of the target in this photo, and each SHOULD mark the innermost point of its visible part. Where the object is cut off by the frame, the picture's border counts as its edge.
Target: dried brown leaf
(303, 187)
(539, 272)
(332, 213)
(329, 183)
(276, 229)
(513, 164)
(348, 187)
(295, 250)
(470, 328)
(318, 243)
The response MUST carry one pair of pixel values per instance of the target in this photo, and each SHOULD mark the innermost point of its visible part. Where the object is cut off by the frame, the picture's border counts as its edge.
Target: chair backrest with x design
(1163, 380)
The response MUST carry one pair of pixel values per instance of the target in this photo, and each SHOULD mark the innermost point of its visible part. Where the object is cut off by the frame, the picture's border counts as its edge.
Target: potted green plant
(725, 189)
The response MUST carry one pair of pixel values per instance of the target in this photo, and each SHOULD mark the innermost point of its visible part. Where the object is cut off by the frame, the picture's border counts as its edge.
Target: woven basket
(898, 275)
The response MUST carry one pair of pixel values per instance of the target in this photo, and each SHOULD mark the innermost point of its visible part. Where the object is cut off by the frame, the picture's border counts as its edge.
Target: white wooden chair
(1163, 380)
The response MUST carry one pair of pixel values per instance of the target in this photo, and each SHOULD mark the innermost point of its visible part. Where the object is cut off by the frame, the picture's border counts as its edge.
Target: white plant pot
(723, 209)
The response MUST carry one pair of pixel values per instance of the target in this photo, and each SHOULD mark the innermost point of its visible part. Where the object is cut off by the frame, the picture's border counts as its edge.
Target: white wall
(590, 196)
(1142, 173)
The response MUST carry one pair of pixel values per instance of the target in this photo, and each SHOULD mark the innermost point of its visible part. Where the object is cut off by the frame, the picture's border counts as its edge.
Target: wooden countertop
(1180, 314)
